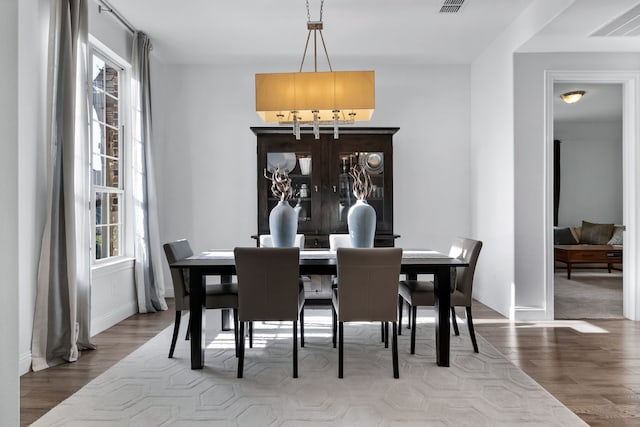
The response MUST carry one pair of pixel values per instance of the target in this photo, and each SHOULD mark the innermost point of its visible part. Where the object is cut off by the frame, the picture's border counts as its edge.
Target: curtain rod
(106, 7)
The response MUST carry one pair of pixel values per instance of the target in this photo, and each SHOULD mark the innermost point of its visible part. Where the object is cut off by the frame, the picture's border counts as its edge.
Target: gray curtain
(61, 324)
(148, 265)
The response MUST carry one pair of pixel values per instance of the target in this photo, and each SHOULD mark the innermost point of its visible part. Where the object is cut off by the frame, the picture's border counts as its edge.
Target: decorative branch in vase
(361, 218)
(283, 219)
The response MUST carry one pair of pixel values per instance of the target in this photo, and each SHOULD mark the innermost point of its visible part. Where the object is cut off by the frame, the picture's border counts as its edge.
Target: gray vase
(283, 224)
(361, 221)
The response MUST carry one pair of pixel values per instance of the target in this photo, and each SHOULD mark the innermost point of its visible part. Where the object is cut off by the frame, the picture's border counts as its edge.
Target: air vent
(451, 6)
(625, 25)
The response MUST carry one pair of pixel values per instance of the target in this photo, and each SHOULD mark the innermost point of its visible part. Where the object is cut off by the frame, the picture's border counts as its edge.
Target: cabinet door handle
(315, 188)
(335, 189)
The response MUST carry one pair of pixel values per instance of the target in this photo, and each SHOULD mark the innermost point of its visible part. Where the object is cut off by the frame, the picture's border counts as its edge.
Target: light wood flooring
(597, 375)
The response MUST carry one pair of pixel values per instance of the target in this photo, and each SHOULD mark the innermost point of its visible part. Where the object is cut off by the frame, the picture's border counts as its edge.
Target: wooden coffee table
(585, 254)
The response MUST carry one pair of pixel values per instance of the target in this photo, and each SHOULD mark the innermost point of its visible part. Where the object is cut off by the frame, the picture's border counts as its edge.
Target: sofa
(588, 233)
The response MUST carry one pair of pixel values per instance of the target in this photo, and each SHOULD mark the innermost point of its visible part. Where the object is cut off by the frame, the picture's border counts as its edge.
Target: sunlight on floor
(581, 326)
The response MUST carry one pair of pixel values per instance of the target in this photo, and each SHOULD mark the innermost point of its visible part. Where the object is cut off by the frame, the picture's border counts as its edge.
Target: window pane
(114, 239)
(98, 72)
(111, 148)
(112, 173)
(101, 243)
(98, 105)
(111, 80)
(98, 172)
(114, 214)
(101, 208)
(111, 112)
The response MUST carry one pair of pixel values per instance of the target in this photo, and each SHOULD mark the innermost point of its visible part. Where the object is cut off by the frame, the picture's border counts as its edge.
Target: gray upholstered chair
(368, 291)
(217, 296)
(268, 289)
(421, 293)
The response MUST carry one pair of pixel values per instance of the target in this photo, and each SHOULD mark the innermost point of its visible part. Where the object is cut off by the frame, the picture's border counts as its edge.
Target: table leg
(198, 319)
(442, 306)
(569, 271)
(227, 321)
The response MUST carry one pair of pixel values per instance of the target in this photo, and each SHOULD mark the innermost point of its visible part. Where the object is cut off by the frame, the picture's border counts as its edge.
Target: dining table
(221, 263)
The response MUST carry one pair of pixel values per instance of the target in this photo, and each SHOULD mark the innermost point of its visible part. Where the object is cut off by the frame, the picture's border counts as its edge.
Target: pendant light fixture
(315, 98)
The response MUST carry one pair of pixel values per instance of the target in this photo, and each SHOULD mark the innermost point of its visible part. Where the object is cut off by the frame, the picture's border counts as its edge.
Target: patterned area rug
(148, 389)
(590, 294)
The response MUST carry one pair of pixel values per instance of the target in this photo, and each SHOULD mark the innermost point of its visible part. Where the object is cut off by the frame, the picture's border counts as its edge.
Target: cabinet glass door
(299, 166)
(372, 162)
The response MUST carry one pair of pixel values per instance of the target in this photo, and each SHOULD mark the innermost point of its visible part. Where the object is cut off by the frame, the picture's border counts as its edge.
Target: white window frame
(124, 151)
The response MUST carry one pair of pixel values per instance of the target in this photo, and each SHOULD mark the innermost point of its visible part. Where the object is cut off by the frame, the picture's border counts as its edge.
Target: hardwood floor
(592, 367)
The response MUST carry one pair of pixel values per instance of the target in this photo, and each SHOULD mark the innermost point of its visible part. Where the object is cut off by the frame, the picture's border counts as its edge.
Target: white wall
(206, 154)
(591, 171)
(530, 161)
(10, 390)
(492, 154)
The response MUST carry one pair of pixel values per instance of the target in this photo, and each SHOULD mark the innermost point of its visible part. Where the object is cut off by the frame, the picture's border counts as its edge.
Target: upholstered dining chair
(422, 293)
(268, 290)
(217, 296)
(368, 291)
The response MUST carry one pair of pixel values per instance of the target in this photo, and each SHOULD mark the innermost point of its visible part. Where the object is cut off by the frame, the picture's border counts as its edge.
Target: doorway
(630, 84)
(587, 123)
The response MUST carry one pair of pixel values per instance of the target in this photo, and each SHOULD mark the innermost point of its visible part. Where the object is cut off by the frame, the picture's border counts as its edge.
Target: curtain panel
(62, 312)
(148, 255)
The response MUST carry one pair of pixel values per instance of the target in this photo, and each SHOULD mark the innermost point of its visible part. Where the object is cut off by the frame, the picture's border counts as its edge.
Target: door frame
(630, 82)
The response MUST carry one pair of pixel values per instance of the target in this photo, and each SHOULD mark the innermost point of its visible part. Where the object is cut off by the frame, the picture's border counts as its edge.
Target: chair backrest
(468, 250)
(266, 241)
(175, 251)
(339, 241)
(368, 288)
(268, 284)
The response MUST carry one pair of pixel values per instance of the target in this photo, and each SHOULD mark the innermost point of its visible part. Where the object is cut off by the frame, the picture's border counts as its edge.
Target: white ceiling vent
(451, 6)
(625, 25)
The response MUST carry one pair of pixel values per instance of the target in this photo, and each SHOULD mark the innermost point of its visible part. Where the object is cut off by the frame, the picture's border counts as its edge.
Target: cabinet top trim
(282, 130)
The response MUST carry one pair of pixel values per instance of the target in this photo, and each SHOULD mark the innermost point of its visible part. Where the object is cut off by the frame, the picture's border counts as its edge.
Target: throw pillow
(616, 239)
(595, 234)
(563, 236)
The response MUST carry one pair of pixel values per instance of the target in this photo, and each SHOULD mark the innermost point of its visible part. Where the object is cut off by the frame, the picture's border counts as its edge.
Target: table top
(589, 247)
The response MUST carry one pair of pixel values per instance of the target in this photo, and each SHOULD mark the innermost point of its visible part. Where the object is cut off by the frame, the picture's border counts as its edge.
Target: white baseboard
(113, 317)
(24, 363)
(529, 314)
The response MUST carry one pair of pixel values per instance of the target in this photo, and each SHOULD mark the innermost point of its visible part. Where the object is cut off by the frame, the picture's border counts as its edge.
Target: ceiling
(369, 31)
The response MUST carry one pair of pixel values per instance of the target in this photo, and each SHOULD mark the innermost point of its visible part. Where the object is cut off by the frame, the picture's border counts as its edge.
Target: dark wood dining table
(322, 262)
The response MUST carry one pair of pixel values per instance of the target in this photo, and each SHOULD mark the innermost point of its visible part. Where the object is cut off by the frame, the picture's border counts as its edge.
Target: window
(106, 158)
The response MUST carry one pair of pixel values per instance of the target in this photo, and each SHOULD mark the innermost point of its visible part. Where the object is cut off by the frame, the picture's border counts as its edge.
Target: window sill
(111, 266)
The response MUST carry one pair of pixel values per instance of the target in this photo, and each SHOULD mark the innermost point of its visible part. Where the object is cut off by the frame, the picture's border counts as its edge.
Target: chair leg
(472, 332)
(302, 327)
(187, 337)
(400, 306)
(176, 328)
(250, 334)
(340, 349)
(386, 334)
(295, 349)
(381, 331)
(236, 333)
(241, 350)
(334, 325)
(454, 321)
(414, 314)
(409, 321)
(394, 351)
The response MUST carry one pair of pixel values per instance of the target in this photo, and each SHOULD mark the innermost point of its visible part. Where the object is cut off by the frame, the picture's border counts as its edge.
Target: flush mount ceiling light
(573, 96)
(303, 98)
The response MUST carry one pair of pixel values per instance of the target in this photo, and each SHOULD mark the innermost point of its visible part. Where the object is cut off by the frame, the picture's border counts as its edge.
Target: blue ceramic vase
(283, 224)
(361, 221)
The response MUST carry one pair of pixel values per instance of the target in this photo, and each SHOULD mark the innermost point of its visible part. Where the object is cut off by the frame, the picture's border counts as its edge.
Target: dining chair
(368, 291)
(217, 296)
(422, 293)
(268, 290)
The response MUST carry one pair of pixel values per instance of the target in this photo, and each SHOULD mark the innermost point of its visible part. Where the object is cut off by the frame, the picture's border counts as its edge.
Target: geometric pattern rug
(148, 389)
